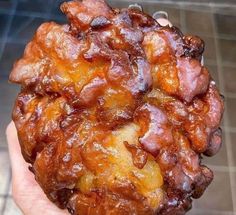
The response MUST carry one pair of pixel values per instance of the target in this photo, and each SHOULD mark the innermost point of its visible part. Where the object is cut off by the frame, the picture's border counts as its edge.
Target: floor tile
(55, 9)
(211, 212)
(23, 28)
(229, 79)
(227, 50)
(33, 6)
(234, 187)
(7, 102)
(210, 50)
(199, 23)
(220, 159)
(11, 53)
(233, 144)
(11, 208)
(226, 24)
(217, 197)
(1, 203)
(4, 172)
(3, 23)
(6, 4)
(225, 10)
(58, 19)
(230, 109)
(213, 70)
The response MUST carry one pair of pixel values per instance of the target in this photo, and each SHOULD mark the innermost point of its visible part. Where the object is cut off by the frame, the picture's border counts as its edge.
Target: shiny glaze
(115, 112)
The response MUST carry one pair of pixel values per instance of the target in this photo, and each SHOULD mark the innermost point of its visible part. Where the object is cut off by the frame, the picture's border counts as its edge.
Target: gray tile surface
(226, 24)
(198, 22)
(34, 6)
(229, 79)
(8, 94)
(220, 159)
(230, 108)
(11, 52)
(2, 199)
(11, 208)
(210, 49)
(233, 141)
(228, 50)
(217, 197)
(4, 172)
(234, 186)
(23, 28)
(6, 4)
(3, 23)
(213, 69)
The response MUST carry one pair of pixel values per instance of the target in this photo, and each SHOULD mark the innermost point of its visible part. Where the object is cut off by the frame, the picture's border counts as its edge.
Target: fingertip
(10, 128)
(162, 18)
(11, 134)
(17, 161)
(164, 22)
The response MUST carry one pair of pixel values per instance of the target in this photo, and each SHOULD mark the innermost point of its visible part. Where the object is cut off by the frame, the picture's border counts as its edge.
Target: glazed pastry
(115, 112)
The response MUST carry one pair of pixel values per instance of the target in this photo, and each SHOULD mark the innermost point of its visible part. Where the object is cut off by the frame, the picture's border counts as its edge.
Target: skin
(26, 193)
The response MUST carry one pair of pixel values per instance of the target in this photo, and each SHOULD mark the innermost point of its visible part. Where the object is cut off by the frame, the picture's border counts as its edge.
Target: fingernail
(136, 7)
(160, 14)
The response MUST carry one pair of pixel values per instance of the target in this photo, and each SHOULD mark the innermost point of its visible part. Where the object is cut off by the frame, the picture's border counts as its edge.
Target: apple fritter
(115, 112)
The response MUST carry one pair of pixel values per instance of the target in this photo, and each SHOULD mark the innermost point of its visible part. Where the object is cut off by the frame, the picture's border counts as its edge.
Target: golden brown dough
(115, 112)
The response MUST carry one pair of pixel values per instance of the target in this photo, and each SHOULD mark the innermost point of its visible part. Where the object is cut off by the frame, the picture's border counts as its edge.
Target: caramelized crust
(115, 112)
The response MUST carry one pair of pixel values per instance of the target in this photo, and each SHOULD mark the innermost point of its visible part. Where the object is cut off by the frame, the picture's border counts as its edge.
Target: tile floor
(20, 18)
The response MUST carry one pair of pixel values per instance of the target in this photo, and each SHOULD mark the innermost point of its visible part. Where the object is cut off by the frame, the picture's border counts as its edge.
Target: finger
(162, 18)
(17, 162)
(164, 22)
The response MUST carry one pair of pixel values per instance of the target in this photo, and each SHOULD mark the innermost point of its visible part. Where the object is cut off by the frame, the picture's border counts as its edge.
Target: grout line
(24, 13)
(49, 10)
(3, 148)
(5, 196)
(229, 129)
(17, 41)
(229, 64)
(226, 119)
(212, 211)
(226, 36)
(48, 16)
(42, 15)
(190, 3)
(6, 192)
(222, 168)
(230, 95)
(174, 5)
(183, 19)
(225, 12)
(20, 28)
(210, 62)
(12, 13)
(205, 8)
(4, 77)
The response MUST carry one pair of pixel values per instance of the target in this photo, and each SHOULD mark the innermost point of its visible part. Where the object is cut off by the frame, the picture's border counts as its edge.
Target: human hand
(26, 192)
